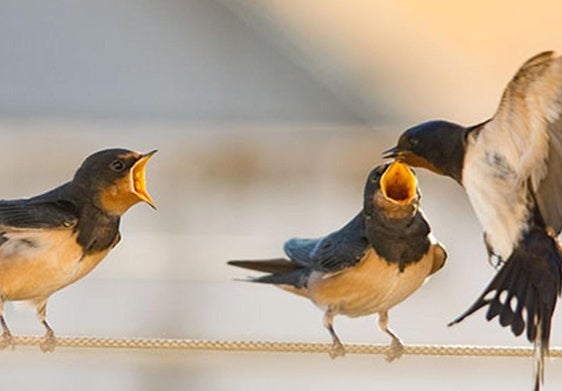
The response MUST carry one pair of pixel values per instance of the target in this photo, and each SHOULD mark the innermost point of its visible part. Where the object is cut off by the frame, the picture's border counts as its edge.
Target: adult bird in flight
(511, 169)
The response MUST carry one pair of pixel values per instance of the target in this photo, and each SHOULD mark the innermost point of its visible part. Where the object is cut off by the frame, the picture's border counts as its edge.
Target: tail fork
(282, 272)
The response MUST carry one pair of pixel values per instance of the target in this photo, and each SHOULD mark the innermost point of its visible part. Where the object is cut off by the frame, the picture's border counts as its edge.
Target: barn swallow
(378, 259)
(52, 240)
(511, 169)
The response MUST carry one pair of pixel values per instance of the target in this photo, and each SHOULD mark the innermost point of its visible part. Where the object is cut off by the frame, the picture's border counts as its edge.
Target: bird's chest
(372, 286)
(86, 264)
(35, 264)
(498, 198)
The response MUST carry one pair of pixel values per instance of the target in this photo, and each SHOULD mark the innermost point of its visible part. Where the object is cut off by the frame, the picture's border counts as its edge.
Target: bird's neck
(97, 230)
(453, 163)
(401, 241)
(451, 160)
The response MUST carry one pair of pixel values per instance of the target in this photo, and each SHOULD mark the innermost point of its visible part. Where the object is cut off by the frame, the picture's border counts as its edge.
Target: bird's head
(393, 190)
(436, 145)
(114, 179)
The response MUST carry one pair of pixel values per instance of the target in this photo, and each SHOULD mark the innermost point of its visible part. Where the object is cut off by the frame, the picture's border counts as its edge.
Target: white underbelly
(499, 201)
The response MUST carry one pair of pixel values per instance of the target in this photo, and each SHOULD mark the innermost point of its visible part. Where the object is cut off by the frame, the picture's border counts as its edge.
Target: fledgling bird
(382, 256)
(511, 169)
(52, 240)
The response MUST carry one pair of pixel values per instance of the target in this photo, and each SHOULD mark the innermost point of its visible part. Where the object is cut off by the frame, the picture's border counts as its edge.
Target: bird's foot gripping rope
(395, 350)
(48, 341)
(6, 338)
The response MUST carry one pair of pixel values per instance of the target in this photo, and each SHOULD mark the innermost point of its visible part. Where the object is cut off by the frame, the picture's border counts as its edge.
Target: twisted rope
(283, 347)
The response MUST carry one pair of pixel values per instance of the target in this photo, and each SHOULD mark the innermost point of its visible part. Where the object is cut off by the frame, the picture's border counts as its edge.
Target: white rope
(291, 347)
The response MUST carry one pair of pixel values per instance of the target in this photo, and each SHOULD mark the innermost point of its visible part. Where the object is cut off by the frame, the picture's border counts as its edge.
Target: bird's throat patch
(118, 197)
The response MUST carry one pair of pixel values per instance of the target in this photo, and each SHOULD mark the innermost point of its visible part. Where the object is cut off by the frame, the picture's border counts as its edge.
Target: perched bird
(511, 169)
(52, 240)
(382, 256)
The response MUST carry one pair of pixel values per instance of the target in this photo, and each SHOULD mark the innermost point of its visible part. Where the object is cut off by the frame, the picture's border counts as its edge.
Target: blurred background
(268, 116)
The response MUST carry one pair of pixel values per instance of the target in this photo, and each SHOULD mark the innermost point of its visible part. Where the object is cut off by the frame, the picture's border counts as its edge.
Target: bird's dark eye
(414, 141)
(117, 165)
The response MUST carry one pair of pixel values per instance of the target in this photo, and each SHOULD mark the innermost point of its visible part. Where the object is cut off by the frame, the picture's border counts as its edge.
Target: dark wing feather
(334, 252)
(523, 293)
(49, 210)
(300, 250)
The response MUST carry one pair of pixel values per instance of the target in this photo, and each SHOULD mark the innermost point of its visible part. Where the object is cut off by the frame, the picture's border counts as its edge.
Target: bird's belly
(499, 201)
(33, 265)
(87, 264)
(374, 285)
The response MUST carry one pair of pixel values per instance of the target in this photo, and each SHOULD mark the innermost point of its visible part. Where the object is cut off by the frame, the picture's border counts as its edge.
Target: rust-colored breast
(374, 285)
(36, 263)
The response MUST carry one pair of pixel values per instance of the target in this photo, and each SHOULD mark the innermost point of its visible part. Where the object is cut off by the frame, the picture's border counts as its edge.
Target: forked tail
(281, 272)
(528, 282)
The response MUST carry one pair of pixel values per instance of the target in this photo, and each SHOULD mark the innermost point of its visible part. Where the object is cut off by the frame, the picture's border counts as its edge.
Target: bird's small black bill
(390, 153)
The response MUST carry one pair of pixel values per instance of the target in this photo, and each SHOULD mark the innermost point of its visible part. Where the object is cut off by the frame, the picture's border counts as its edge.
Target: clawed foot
(395, 350)
(337, 350)
(48, 342)
(6, 340)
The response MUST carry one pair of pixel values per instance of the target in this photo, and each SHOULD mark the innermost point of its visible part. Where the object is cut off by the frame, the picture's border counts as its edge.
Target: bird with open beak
(52, 240)
(382, 256)
(511, 169)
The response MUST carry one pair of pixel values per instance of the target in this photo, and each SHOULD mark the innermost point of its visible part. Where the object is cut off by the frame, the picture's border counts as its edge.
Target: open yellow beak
(139, 179)
(399, 184)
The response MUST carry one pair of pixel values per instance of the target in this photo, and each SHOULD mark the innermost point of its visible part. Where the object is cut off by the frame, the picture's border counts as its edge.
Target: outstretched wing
(526, 132)
(334, 252)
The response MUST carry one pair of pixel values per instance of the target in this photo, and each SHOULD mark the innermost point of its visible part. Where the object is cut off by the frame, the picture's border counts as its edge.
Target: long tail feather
(279, 265)
(281, 272)
(538, 374)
